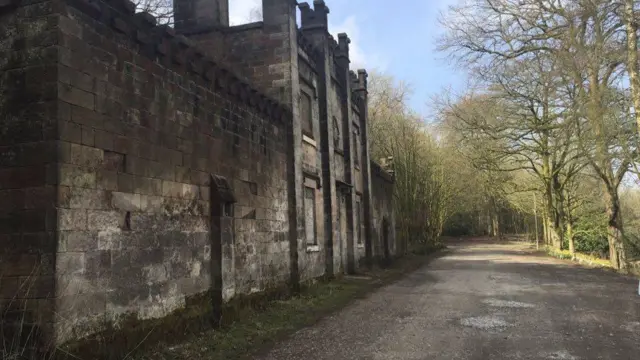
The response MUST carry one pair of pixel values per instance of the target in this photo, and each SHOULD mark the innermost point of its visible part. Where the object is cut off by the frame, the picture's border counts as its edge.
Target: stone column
(342, 60)
(279, 17)
(315, 28)
(361, 88)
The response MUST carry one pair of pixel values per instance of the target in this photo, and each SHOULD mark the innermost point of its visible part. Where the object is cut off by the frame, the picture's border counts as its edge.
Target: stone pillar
(361, 88)
(315, 27)
(279, 17)
(342, 59)
(197, 15)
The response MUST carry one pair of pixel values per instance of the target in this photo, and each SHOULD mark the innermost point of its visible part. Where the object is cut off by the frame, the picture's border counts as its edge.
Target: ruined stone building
(142, 165)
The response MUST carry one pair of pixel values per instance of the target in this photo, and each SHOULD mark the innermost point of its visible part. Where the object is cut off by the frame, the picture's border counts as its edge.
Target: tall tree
(583, 39)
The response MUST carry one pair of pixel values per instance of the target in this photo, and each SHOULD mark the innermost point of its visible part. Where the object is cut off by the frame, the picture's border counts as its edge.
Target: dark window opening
(337, 144)
(306, 114)
(310, 216)
(356, 148)
(227, 209)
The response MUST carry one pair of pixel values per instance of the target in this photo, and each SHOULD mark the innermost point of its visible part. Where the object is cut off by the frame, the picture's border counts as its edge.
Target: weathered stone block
(73, 284)
(39, 197)
(76, 96)
(110, 239)
(125, 183)
(76, 80)
(147, 186)
(104, 140)
(86, 156)
(72, 219)
(126, 201)
(70, 263)
(171, 189)
(104, 220)
(107, 180)
(80, 198)
(98, 264)
(77, 241)
(74, 176)
(77, 306)
(70, 132)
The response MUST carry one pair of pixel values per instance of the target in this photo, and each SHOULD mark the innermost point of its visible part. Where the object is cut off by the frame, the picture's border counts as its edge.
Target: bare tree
(583, 37)
(161, 9)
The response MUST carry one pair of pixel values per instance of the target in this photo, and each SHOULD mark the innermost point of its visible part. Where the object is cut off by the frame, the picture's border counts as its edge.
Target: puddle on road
(507, 303)
(485, 323)
(633, 327)
(559, 355)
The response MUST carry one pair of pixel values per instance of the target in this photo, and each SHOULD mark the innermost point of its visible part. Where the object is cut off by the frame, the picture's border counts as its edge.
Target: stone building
(142, 165)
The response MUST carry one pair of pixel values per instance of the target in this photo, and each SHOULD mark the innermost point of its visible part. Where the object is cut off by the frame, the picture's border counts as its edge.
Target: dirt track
(483, 301)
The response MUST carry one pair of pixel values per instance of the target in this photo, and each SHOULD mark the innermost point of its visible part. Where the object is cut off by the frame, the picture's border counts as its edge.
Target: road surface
(483, 301)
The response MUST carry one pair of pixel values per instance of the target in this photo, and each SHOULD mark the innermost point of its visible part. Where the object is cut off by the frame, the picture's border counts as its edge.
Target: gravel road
(483, 301)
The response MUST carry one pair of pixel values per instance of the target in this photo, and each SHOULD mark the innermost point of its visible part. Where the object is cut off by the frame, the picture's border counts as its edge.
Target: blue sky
(397, 37)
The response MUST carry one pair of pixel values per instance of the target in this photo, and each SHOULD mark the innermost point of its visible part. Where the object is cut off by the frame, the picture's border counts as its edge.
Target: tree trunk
(572, 248)
(495, 226)
(632, 56)
(560, 217)
(545, 229)
(553, 238)
(615, 231)
(550, 212)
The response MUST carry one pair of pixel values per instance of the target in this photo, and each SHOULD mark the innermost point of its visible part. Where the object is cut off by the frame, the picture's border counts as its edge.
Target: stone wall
(134, 218)
(111, 131)
(137, 172)
(28, 150)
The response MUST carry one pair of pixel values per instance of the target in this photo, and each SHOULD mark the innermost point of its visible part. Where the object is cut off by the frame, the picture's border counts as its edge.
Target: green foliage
(461, 224)
(424, 185)
(590, 235)
(631, 210)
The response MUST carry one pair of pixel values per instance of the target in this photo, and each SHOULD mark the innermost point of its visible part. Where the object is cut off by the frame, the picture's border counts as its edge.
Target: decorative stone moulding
(167, 48)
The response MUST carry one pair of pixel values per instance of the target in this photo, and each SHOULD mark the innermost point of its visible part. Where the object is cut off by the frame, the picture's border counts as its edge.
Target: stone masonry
(142, 165)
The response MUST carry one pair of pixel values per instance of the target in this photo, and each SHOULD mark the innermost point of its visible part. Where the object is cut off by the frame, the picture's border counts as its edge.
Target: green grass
(257, 329)
(578, 257)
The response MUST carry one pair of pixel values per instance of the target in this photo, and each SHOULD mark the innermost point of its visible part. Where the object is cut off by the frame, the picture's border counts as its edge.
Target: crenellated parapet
(164, 45)
(359, 87)
(316, 18)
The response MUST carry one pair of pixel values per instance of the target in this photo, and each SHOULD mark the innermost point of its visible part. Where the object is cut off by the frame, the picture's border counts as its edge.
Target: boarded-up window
(310, 215)
(306, 114)
(356, 147)
(337, 139)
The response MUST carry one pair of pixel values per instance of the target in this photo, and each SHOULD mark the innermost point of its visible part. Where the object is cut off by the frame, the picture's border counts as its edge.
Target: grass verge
(256, 330)
(580, 258)
(592, 261)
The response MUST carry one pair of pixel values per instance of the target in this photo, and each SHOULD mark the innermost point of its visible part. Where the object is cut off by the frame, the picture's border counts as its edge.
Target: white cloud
(244, 11)
(359, 57)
